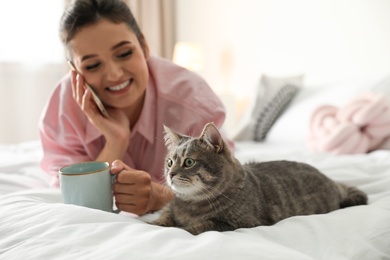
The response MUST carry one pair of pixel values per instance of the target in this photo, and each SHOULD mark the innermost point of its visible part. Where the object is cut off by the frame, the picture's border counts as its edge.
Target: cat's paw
(163, 222)
(157, 223)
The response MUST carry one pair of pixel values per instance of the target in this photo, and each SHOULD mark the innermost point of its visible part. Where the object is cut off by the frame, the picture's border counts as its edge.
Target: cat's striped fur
(213, 191)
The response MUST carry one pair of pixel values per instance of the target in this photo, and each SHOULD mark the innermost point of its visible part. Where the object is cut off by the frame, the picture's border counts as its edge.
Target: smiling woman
(141, 93)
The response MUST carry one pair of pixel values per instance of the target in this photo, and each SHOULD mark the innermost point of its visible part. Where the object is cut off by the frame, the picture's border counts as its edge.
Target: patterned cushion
(273, 96)
(272, 109)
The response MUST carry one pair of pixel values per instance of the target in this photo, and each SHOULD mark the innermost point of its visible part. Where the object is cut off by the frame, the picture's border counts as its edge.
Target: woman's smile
(120, 88)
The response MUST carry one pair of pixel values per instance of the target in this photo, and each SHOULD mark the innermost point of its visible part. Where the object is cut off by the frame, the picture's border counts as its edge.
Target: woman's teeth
(120, 86)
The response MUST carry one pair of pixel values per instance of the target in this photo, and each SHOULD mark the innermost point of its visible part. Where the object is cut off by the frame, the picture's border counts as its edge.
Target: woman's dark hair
(86, 12)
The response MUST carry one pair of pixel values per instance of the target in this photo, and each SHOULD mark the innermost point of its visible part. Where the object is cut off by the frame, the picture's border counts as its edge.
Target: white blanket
(35, 224)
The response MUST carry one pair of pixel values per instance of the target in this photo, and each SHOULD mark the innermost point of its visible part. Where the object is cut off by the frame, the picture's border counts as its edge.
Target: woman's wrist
(114, 149)
(161, 196)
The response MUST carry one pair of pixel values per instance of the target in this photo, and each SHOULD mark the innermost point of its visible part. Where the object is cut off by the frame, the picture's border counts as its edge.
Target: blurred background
(231, 43)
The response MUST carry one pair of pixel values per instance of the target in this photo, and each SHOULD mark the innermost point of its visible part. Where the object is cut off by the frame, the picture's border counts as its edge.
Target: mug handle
(113, 178)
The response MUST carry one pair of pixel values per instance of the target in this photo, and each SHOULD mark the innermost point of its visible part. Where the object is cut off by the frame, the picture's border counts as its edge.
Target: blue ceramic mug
(88, 184)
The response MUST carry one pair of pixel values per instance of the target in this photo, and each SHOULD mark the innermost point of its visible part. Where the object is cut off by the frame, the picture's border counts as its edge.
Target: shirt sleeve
(60, 141)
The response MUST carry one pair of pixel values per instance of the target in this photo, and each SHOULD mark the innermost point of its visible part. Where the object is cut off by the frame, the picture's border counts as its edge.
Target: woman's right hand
(135, 191)
(115, 128)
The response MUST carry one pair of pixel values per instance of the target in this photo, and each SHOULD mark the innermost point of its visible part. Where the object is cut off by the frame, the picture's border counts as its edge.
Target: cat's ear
(211, 136)
(171, 137)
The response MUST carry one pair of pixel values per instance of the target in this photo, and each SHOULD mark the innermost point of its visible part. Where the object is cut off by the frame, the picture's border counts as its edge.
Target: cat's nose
(172, 174)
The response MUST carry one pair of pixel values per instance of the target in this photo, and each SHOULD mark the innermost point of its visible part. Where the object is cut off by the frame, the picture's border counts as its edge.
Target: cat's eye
(188, 162)
(169, 163)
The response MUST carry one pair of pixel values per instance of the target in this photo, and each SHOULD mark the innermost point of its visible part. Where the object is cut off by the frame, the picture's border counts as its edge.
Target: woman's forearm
(161, 196)
(114, 150)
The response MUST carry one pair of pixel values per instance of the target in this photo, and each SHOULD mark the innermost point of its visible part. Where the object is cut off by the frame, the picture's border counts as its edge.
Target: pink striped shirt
(175, 97)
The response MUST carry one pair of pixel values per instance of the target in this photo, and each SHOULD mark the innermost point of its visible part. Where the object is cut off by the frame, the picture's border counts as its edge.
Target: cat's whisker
(222, 194)
(209, 199)
(203, 190)
(214, 191)
(208, 195)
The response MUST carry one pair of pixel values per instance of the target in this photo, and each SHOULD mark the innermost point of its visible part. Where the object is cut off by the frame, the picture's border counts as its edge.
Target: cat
(214, 191)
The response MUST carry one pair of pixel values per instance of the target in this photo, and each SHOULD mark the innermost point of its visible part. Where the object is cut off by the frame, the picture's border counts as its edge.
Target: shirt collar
(146, 124)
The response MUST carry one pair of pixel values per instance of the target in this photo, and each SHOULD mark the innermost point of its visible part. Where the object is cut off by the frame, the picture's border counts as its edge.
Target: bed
(35, 224)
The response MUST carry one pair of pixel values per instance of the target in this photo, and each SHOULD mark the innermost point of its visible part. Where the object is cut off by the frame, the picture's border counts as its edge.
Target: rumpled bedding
(35, 224)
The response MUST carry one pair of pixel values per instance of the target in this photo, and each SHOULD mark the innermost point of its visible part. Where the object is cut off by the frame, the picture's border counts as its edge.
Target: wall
(31, 62)
(24, 91)
(327, 40)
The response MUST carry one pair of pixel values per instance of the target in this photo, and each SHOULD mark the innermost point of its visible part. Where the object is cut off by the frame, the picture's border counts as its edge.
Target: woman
(141, 94)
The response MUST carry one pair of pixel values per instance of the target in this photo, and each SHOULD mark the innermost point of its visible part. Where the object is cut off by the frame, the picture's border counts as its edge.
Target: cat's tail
(351, 196)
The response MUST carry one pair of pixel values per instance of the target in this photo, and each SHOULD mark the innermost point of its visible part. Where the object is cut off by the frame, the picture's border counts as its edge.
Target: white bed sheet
(35, 224)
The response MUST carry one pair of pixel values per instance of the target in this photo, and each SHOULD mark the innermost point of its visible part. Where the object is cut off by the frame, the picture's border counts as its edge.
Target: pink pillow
(360, 126)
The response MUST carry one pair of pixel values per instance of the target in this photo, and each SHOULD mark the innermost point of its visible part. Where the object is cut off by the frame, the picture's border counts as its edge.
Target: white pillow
(293, 125)
(273, 95)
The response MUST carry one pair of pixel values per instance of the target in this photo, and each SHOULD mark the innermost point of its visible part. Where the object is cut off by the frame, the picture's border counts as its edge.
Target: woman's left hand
(135, 192)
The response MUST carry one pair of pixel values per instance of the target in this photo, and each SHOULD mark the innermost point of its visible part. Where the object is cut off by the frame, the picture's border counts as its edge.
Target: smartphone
(97, 100)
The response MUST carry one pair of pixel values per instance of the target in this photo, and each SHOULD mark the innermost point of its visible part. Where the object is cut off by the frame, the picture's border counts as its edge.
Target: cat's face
(188, 170)
(194, 166)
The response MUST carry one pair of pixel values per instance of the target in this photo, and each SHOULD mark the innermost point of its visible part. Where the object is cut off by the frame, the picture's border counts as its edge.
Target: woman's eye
(125, 54)
(92, 66)
(169, 163)
(188, 162)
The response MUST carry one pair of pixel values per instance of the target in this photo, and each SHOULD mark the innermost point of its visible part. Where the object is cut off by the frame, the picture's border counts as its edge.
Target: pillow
(359, 126)
(383, 86)
(296, 119)
(272, 97)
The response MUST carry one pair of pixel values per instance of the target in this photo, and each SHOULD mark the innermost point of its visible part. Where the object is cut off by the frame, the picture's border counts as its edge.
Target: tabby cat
(214, 191)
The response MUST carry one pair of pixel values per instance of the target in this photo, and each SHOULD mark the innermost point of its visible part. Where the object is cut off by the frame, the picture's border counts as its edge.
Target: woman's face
(112, 61)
